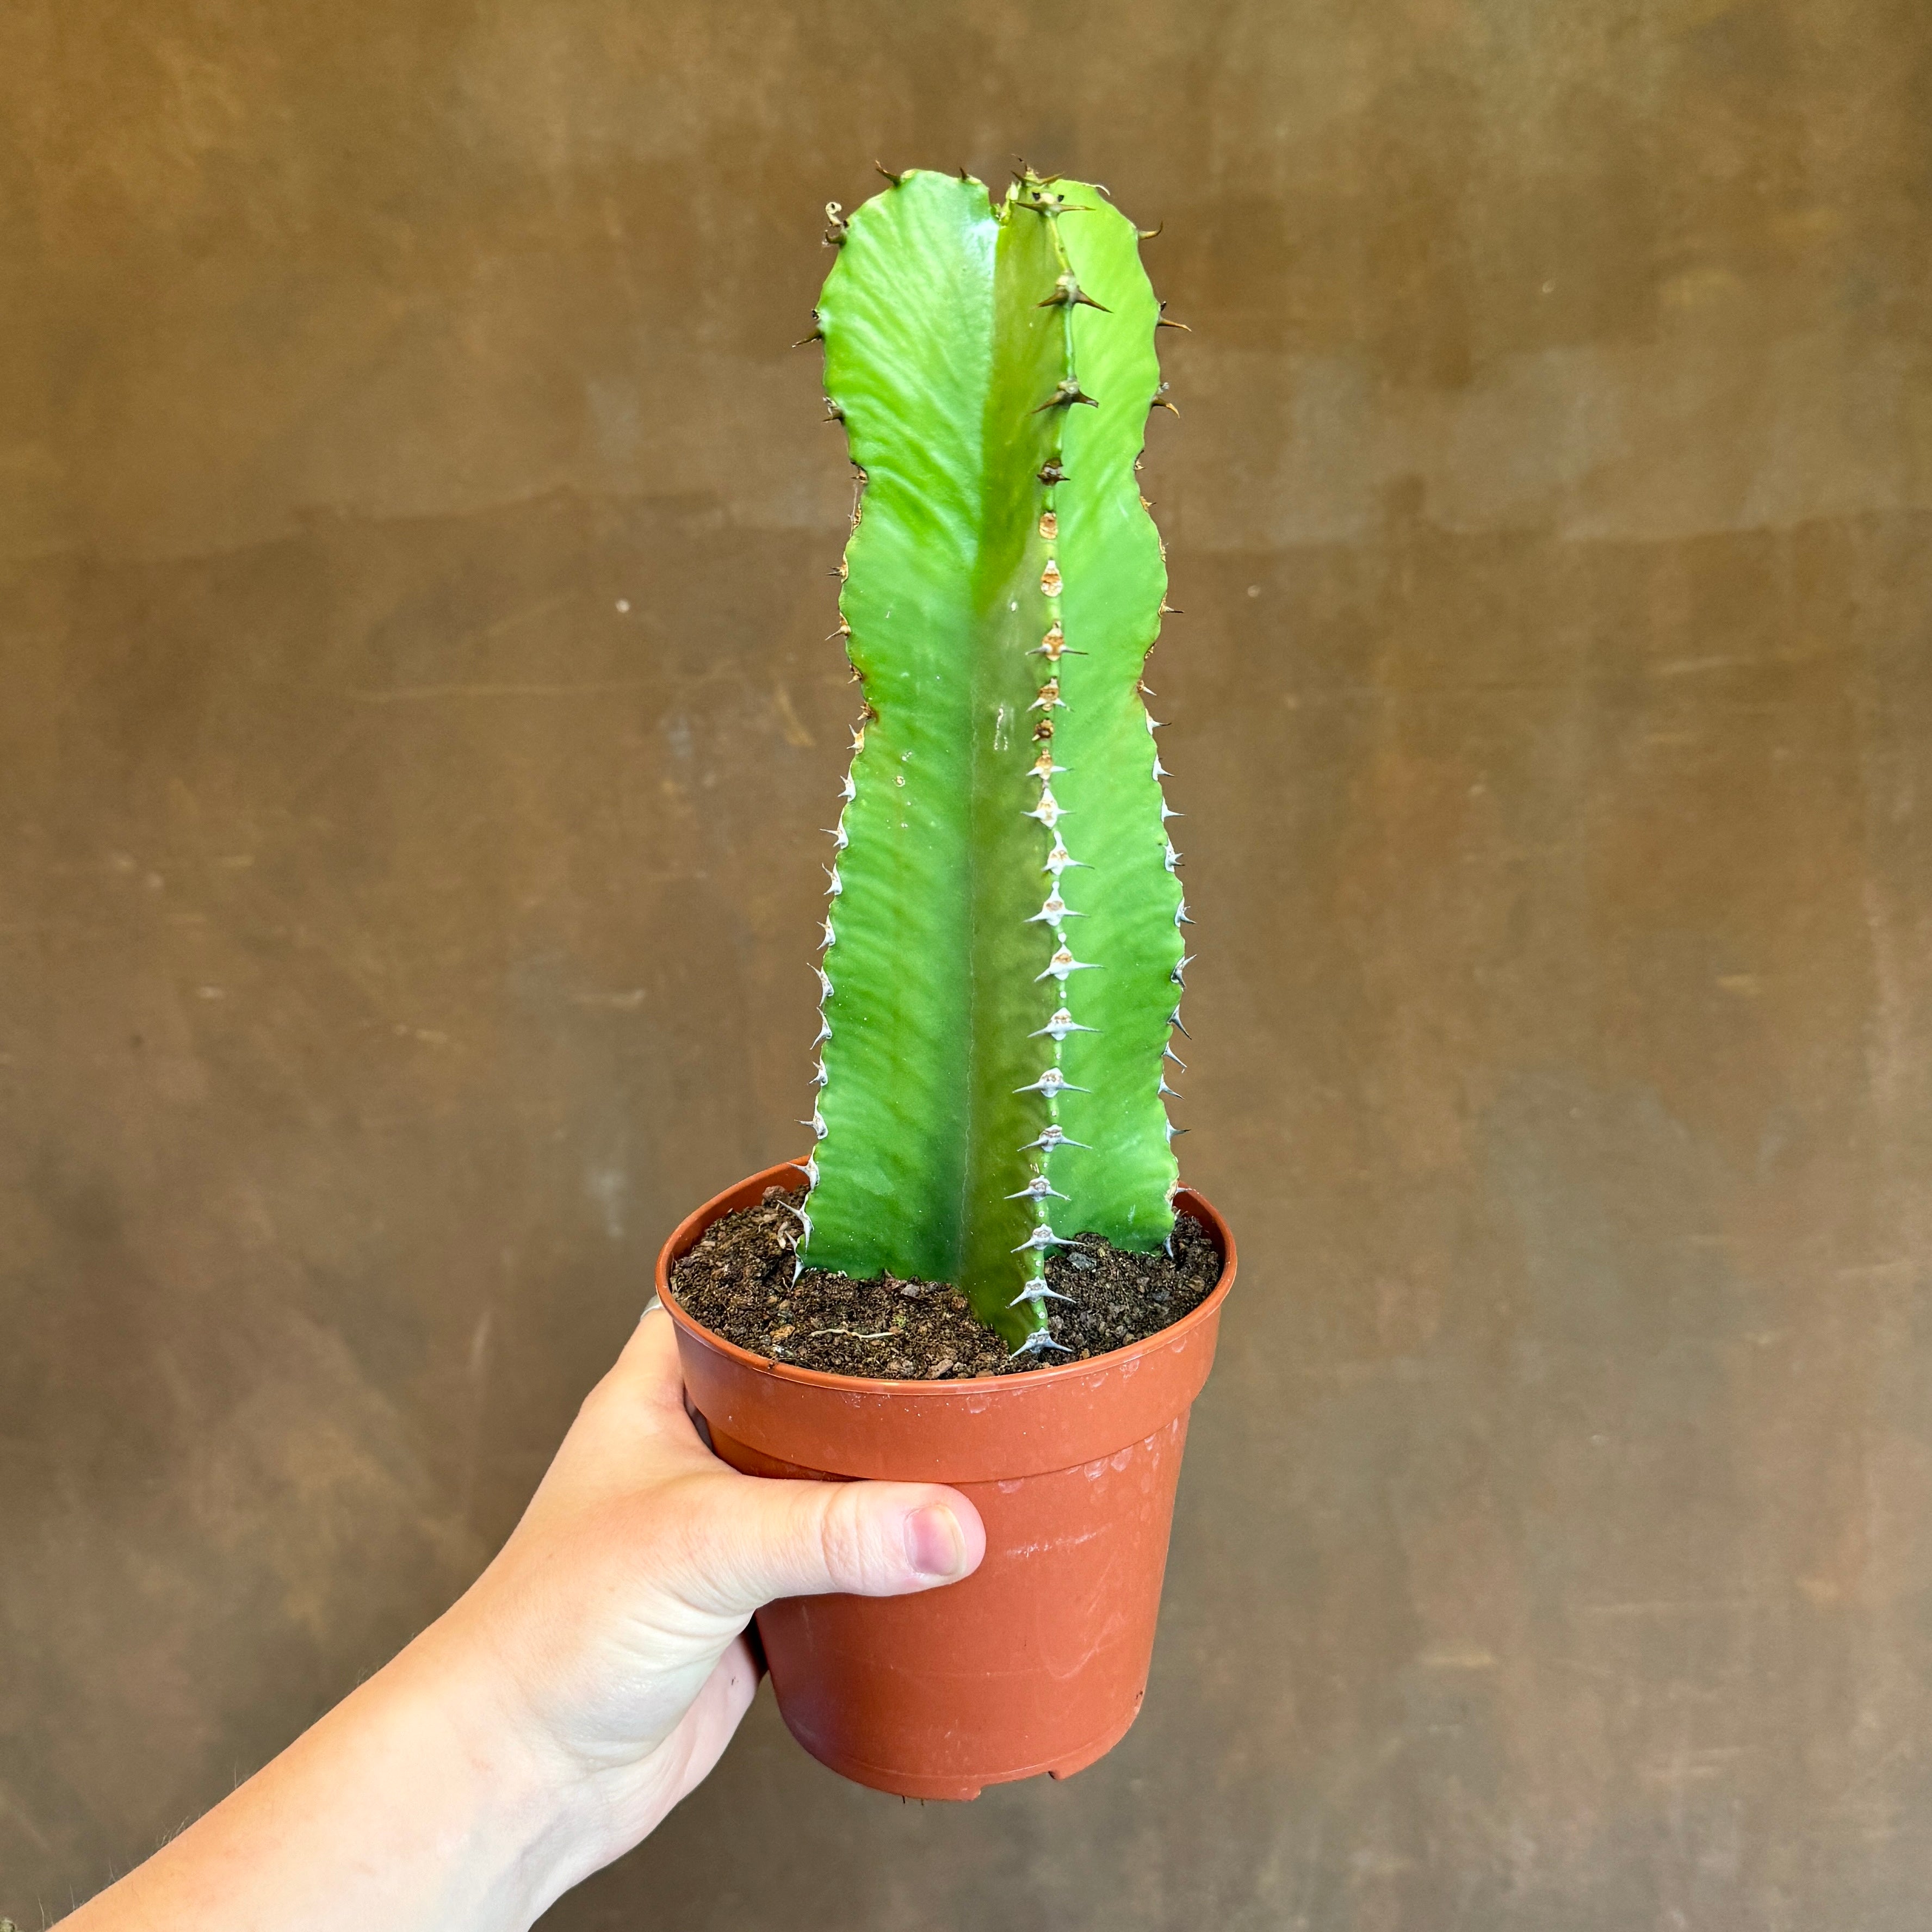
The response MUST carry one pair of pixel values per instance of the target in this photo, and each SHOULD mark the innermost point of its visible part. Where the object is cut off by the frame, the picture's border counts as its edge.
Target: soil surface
(737, 1282)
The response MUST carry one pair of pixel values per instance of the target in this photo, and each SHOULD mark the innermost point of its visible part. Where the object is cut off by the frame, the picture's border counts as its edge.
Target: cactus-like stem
(1002, 948)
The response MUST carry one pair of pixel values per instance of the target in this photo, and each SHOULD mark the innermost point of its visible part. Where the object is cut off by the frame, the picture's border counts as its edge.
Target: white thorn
(848, 790)
(1053, 1081)
(820, 1076)
(1037, 1188)
(1172, 858)
(817, 1124)
(1160, 771)
(1041, 1238)
(824, 982)
(1053, 909)
(1039, 1339)
(1063, 963)
(829, 934)
(1168, 1053)
(1180, 914)
(837, 886)
(811, 1170)
(836, 833)
(1062, 1024)
(1174, 1020)
(1059, 858)
(1036, 1290)
(1048, 811)
(1165, 814)
(1054, 1137)
(1164, 1088)
(824, 1034)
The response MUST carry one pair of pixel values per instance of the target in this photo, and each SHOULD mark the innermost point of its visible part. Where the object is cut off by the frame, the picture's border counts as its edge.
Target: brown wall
(397, 933)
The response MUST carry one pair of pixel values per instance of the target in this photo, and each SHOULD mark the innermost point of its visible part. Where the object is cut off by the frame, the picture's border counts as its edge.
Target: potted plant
(974, 1276)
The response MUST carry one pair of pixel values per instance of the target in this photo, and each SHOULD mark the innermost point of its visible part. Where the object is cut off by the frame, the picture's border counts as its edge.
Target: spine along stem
(1002, 947)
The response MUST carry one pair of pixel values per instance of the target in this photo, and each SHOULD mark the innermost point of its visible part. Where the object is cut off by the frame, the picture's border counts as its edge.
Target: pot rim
(966, 1388)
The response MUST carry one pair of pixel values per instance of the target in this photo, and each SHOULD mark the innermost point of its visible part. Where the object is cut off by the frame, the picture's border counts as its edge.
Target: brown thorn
(1148, 234)
(817, 335)
(1066, 292)
(1069, 393)
(894, 179)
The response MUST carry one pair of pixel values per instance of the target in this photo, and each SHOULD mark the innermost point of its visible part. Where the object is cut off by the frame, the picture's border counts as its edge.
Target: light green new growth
(1003, 960)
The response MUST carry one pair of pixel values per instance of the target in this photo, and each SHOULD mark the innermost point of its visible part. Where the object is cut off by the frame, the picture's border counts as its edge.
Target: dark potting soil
(737, 1282)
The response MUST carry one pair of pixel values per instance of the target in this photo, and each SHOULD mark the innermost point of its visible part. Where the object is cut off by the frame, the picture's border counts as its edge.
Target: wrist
(525, 1818)
(413, 1804)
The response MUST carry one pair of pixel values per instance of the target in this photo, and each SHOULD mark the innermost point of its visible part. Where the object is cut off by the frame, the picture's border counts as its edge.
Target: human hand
(614, 1619)
(585, 1682)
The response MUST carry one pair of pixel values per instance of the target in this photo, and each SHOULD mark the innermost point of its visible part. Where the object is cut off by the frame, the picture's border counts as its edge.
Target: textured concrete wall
(415, 726)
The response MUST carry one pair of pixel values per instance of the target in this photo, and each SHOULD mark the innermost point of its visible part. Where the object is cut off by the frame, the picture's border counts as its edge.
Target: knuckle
(855, 1554)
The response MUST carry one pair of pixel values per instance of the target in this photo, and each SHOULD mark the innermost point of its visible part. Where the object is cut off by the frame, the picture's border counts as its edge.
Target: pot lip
(966, 1388)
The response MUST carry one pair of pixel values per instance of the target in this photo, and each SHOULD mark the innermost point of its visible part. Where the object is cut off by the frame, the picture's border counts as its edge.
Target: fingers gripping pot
(1038, 1662)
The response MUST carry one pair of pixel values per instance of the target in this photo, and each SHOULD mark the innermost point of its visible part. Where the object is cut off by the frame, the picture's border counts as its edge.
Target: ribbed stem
(990, 1080)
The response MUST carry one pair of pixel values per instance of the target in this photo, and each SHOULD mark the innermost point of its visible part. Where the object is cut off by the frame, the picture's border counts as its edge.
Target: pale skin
(587, 1680)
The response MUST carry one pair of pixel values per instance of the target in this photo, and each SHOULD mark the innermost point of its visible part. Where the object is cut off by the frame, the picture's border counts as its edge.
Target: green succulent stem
(1002, 954)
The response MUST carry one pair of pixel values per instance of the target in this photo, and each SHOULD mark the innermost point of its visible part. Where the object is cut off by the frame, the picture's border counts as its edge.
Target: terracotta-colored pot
(1039, 1660)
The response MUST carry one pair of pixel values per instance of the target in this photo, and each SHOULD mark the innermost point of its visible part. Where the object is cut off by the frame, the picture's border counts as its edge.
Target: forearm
(411, 1805)
(587, 1680)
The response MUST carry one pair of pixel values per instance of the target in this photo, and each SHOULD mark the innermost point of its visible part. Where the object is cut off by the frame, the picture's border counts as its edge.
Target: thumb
(756, 1538)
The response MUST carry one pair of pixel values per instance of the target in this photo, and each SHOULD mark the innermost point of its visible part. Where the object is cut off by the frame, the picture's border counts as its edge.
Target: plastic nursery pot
(1039, 1660)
